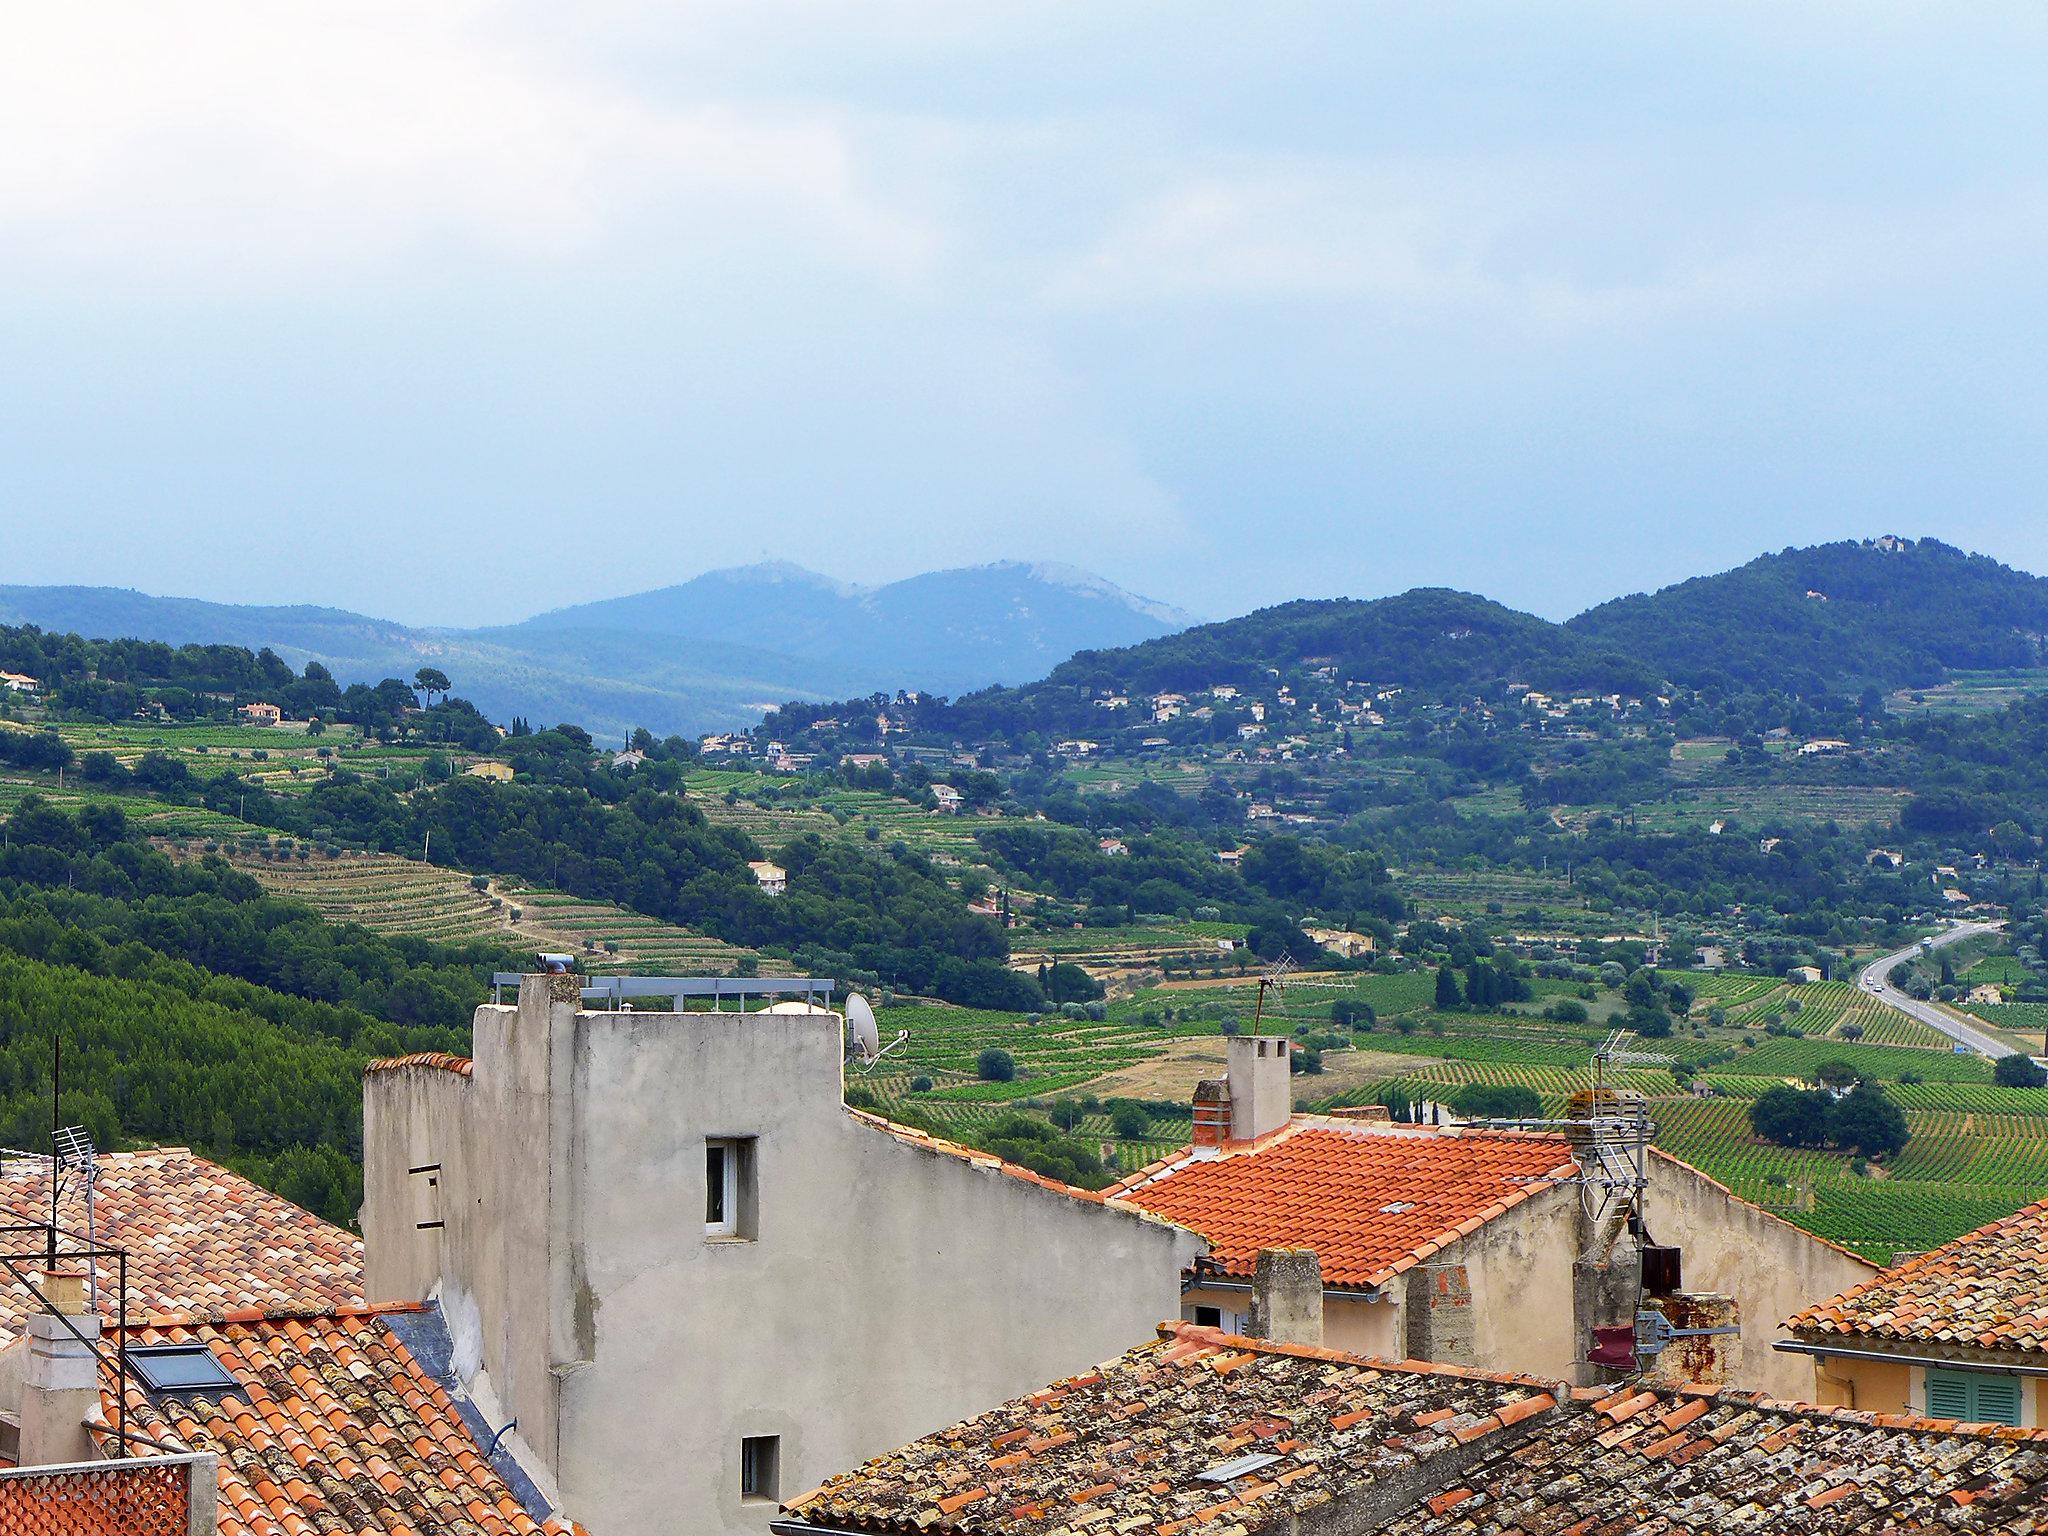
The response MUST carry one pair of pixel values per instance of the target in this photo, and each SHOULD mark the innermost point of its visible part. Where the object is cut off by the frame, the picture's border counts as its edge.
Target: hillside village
(1310, 1094)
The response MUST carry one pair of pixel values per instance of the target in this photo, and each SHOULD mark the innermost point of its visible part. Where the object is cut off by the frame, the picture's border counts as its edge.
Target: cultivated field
(388, 894)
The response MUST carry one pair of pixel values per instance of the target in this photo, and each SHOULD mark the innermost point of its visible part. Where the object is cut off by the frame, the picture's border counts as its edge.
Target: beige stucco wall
(888, 1289)
(1518, 1268)
(1350, 1322)
(1771, 1268)
(1900, 1386)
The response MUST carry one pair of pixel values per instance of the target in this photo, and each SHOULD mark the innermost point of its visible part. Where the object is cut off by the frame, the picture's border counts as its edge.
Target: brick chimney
(1259, 1071)
(1287, 1297)
(60, 1382)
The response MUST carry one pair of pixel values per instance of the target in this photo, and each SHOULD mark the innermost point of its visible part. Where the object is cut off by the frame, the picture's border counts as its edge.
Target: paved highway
(1875, 980)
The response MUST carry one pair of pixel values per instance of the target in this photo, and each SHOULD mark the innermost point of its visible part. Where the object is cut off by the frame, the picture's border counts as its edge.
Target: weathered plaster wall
(1769, 1266)
(887, 1289)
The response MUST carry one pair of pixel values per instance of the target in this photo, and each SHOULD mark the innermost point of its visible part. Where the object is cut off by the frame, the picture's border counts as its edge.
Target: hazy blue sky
(457, 311)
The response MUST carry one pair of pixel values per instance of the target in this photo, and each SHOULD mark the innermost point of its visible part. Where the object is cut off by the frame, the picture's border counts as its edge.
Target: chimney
(60, 1383)
(1212, 1112)
(1260, 1074)
(1708, 1325)
(1287, 1297)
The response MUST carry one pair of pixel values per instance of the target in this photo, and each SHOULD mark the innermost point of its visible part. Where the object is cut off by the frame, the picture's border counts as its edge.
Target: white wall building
(698, 1281)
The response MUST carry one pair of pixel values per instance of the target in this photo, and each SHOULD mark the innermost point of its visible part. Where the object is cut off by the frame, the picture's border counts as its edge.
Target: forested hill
(1428, 637)
(1825, 621)
(1889, 613)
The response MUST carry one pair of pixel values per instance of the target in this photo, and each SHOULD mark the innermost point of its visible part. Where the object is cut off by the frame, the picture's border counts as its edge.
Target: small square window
(729, 1187)
(761, 1468)
(1208, 1317)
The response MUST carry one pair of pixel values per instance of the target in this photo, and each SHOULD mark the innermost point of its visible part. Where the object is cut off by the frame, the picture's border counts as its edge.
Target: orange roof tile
(336, 1429)
(439, 1061)
(1986, 1290)
(202, 1242)
(1372, 1201)
(1145, 1444)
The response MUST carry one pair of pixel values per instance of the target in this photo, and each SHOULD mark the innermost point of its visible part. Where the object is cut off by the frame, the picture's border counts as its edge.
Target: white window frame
(728, 1224)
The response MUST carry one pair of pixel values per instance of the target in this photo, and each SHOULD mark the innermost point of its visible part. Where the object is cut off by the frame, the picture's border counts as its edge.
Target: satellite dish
(861, 1030)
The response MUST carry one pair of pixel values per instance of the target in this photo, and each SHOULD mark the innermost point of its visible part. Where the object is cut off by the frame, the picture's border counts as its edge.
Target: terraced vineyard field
(1752, 806)
(388, 894)
(842, 812)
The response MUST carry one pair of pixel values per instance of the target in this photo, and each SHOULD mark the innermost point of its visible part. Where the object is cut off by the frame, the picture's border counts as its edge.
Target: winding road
(1875, 979)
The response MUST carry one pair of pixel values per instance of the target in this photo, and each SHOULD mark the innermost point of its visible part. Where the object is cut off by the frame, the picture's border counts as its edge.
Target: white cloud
(274, 137)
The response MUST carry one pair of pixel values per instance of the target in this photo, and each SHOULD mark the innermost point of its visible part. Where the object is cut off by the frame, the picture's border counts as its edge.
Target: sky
(452, 313)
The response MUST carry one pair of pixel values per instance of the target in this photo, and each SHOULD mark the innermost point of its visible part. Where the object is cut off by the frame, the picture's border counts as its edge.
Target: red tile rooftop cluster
(1371, 1201)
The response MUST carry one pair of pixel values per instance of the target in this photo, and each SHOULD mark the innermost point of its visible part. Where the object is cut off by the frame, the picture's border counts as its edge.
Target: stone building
(697, 1280)
(1468, 1246)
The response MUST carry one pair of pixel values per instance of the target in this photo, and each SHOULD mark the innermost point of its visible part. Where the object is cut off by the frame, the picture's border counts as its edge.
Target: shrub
(1306, 1060)
(920, 1084)
(1065, 1113)
(1130, 1121)
(1792, 1117)
(996, 1066)
(1496, 1101)
(2018, 1072)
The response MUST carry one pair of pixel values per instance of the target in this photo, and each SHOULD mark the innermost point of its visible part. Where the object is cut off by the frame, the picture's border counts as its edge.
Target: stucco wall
(1518, 1271)
(887, 1290)
(1769, 1266)
(1899, 1386)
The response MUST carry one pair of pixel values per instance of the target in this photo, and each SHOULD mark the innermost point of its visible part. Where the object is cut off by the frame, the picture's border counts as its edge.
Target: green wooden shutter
(1975, 1397)
(1948, 1395)
(1998, 1400)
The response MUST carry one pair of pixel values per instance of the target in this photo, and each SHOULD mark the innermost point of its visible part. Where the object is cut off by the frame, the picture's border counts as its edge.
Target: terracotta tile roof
(1695, 1461)
(202, 1242)
(1986, 1290)
(1424, 1450)
(1123, 1448)
(439, 1061)
(1372, 1201)
(337, 1429)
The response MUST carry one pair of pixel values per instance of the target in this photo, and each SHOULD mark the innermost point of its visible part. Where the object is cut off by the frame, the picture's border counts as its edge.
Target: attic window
(175, 1368)
(1227, 1471)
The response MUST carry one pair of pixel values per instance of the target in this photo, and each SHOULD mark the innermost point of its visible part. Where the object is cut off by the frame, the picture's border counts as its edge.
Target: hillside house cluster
(634, 1270)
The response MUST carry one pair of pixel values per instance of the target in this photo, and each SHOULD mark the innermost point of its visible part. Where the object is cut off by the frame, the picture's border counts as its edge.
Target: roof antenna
(1275, 980)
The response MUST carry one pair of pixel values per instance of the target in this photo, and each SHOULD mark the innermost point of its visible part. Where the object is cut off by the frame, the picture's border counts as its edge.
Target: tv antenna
(1274, 980)
(864, 1036)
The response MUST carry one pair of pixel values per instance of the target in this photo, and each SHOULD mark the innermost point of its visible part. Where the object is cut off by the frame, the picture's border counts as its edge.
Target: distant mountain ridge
(711, 653)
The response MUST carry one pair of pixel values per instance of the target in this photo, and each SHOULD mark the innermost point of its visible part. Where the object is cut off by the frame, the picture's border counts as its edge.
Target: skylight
(164, 1368)
(1397, 1207)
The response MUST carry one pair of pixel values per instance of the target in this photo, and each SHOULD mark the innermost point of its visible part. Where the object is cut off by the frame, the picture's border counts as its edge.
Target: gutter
(805, 1528)
(1832, 1352)
(1244, 1288)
